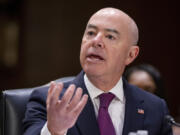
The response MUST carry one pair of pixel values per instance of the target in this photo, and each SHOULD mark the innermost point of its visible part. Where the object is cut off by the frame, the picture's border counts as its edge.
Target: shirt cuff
(45, 130)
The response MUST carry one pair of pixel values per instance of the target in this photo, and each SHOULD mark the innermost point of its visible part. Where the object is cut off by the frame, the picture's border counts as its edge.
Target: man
(75, 108)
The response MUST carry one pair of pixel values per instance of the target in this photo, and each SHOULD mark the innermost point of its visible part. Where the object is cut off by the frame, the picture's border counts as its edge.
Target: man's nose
(98, 41)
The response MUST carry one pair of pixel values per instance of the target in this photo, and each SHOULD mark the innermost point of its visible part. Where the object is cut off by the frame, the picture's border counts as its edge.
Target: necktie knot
(105, 99)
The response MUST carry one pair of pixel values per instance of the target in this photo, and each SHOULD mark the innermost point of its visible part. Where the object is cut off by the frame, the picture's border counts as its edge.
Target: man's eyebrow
(112, 30)
(92, 26)
(106, 29)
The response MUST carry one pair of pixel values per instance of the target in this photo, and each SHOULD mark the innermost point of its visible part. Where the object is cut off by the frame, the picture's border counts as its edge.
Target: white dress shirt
(116, 108)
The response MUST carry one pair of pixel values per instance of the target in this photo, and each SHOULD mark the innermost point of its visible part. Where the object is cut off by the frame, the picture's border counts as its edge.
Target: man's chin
(93, 71)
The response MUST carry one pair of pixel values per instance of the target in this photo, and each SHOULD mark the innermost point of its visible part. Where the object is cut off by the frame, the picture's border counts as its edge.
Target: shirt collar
(94, 92)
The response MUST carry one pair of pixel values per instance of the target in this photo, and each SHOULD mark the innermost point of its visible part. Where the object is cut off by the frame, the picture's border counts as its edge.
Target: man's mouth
(95, 58)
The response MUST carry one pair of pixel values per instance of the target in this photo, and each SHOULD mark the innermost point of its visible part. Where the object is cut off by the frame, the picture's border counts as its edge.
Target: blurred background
(40, 40)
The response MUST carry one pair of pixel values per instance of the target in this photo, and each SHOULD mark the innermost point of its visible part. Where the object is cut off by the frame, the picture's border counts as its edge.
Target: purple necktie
(105, 123)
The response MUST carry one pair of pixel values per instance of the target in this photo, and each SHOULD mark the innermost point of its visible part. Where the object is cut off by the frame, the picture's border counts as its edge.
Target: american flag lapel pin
(140, 111)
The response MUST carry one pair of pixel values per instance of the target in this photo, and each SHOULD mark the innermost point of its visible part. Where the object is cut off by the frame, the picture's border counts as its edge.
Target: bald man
(109, 44)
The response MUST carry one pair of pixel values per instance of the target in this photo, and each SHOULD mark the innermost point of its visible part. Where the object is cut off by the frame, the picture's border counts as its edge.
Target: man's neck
(103, 83)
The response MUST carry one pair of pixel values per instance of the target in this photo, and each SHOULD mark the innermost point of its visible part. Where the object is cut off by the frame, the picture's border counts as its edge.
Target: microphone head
(169, 119)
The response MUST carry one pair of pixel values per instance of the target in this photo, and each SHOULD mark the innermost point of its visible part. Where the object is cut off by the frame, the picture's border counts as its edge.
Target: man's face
(105, 45)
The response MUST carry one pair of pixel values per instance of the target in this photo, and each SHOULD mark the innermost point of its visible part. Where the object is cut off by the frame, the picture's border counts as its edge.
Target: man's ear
(133, 53)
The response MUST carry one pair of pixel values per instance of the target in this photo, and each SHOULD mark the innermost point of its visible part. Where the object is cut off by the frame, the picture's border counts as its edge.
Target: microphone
(171, 121)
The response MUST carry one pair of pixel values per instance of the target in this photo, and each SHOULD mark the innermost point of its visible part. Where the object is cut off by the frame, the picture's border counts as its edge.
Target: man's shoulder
(39, 93)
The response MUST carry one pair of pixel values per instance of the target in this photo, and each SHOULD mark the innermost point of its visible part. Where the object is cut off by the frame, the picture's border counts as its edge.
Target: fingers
(54, 92)
(52, 85)
(76, 98)
(72, 101)
(76, 103)
(79, 107)
(67, 96)
(57, 90)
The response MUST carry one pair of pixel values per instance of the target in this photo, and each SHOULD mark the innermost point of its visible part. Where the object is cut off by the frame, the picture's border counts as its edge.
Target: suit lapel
(134, 110)
(87, 122)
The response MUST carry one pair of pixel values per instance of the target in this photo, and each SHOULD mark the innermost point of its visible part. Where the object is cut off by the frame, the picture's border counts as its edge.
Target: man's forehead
(111, 15)
(106, 19)
(109, 11)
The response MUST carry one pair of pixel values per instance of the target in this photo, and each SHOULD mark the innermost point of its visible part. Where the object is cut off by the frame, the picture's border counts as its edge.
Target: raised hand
(62, 114)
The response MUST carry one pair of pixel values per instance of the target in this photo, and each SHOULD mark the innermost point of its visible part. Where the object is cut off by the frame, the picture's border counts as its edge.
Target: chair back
(13, 107)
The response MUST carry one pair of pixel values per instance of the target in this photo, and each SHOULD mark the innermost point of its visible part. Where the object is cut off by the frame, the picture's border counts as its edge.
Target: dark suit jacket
(143, 111)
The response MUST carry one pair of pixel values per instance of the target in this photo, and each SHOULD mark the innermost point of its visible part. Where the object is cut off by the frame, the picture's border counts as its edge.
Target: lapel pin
(140, 111)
